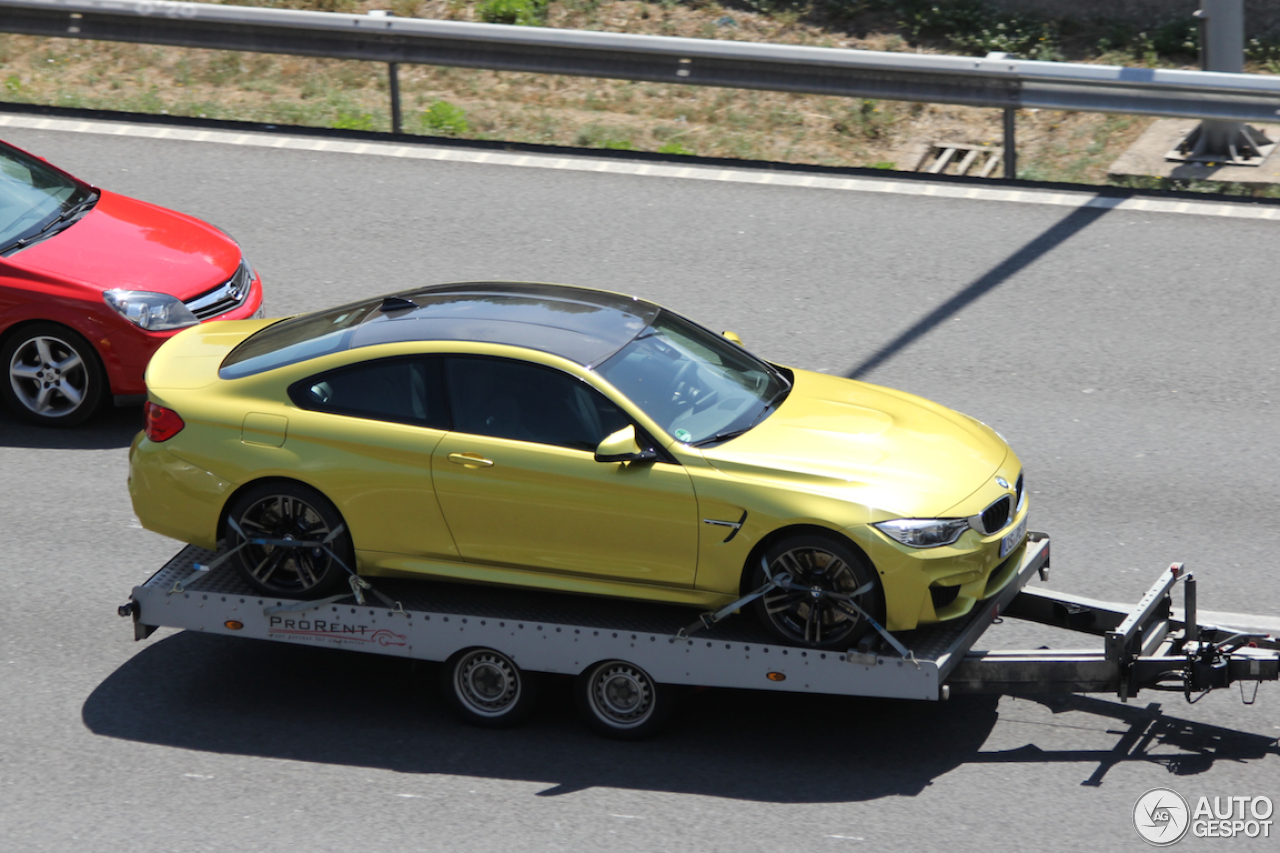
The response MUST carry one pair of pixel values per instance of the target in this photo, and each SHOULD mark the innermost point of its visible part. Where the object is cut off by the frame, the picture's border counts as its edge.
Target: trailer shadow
(238, 696)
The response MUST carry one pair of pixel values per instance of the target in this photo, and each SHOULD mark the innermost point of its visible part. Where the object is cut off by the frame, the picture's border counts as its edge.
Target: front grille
(227, 296)
(996, 516)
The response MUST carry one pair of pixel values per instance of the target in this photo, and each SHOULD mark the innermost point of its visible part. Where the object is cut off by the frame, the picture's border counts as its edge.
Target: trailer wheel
(806, 613)
(620, 701)
(485, 688)
(284, 510)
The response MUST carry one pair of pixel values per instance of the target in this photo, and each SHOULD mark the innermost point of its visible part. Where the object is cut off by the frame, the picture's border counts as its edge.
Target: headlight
(155, 312)
(924, 532)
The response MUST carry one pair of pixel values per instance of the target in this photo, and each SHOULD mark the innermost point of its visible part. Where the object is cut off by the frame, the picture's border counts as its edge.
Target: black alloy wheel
(827, 593)
(286, 513)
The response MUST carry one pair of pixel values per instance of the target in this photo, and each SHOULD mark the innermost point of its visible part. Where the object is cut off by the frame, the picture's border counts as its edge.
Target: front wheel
(828, 594)
(620, 701)
(485, 688)
(53, 376)
(270, 517)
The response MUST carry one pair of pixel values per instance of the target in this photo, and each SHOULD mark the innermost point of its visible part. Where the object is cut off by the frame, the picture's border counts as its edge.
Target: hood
(129, 244)
(882, 448)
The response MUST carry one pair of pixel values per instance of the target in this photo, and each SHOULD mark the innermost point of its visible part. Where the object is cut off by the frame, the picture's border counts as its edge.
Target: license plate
(1014, 537)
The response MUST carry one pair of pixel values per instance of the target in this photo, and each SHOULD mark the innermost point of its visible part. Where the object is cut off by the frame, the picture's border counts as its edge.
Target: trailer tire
(485, 688)
(619, 700)
(820, 563)
(282, 509)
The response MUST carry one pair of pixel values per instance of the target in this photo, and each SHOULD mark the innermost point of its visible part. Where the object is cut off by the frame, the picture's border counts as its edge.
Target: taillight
(162, 424)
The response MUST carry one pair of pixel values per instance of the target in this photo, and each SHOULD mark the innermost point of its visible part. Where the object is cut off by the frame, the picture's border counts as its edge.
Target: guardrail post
(393, 77)
(1010, 143)
(1222, 49)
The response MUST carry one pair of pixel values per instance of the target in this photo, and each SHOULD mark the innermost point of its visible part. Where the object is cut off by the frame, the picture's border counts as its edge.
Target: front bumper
(126, 349)
(927, 585)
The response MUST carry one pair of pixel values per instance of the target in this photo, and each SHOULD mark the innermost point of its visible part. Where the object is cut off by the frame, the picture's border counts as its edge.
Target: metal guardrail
(994, 81)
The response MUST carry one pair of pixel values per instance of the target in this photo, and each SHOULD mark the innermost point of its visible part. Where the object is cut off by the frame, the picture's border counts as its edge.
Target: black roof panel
(585, 326)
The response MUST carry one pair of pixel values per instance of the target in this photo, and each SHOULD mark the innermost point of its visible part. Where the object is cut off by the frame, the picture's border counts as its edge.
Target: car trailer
(629, 658)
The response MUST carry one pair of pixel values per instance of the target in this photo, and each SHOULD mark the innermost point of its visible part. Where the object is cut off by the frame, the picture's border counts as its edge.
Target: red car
(92, 283)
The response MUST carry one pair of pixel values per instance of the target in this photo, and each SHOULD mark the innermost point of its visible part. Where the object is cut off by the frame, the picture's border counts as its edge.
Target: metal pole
(1222, 49)
(393, 80)
(1010, 143)
(393, 76)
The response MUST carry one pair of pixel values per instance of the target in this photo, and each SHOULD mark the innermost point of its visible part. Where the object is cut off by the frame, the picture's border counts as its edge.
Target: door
(366, 434)
(519, 486)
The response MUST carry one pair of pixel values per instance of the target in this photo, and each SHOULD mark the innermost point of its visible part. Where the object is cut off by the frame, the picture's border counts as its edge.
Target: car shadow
(245, 697)
(110, 428)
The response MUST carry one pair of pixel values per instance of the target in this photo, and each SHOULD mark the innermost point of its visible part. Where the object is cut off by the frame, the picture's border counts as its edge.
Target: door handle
(471, 460)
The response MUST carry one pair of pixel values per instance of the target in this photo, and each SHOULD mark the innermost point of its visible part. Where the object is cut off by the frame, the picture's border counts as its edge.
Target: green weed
(524, 13)
(445, 119)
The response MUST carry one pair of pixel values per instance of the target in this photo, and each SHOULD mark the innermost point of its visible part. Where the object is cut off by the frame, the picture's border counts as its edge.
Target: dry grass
(560, 110)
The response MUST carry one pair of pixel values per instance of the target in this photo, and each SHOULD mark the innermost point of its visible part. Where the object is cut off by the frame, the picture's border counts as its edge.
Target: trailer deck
(501, 633)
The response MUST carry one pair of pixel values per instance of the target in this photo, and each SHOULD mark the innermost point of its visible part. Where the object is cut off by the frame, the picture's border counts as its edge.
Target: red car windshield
(35, 199)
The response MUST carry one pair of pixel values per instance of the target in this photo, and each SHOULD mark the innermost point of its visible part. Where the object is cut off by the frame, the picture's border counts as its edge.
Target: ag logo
(1161, 816)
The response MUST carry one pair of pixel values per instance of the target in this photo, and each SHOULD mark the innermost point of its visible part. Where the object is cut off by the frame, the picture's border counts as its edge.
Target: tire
(286, 510)
(620, 701)
(485, 688)
(53, 376)
(820, 564)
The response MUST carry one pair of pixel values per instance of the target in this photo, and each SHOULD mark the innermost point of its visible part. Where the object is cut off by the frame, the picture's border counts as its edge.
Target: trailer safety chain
(844, 601)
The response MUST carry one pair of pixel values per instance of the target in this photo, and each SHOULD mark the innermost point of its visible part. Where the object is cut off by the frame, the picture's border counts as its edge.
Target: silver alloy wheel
(49, 376)
(487, 683)
(621, 694)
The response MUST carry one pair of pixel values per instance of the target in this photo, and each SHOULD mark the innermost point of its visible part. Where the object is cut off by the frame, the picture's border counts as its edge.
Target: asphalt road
(1129, 357)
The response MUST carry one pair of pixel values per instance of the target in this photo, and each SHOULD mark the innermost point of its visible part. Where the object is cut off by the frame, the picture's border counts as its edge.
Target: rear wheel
(620, 701)
(285, 512)
(53, 376)
(485, 688)
(829, 594)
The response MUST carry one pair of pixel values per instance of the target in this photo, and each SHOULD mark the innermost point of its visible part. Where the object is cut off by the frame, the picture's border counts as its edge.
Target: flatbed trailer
(628, 656)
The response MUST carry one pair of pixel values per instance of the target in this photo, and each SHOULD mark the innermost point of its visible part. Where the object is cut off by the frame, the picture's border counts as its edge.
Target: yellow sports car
(547, 436)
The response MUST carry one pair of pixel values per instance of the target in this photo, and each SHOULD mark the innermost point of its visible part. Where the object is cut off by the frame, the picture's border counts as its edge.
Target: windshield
(697, 385)
(32, 197)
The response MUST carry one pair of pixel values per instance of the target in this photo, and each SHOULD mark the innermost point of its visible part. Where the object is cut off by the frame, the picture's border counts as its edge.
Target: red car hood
(131, 245)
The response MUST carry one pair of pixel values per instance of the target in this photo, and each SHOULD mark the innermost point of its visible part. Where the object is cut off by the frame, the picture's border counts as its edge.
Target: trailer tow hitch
(1208, 667)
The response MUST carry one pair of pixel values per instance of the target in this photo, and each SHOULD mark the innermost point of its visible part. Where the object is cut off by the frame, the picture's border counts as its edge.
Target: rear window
(296, 339)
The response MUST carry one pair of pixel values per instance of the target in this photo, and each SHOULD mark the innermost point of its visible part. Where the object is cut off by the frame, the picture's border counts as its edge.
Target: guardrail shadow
(245, 697)
(1066, 228)
(108, 429)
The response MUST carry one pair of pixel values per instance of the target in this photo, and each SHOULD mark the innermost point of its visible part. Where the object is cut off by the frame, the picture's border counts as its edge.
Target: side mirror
(733, 336)
(623, 447)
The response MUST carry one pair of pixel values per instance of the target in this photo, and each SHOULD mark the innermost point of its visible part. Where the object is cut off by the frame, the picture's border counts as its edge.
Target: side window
(403, 390)
(528, 402)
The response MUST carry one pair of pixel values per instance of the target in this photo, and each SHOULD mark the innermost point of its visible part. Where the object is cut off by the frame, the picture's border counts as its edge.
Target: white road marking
(1244, 621)
(426, 151)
